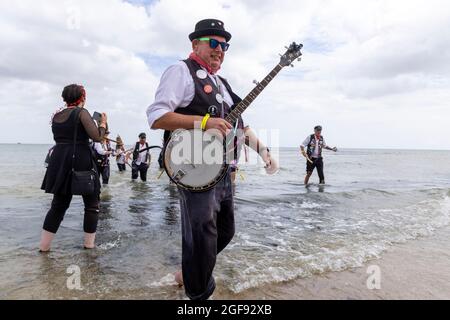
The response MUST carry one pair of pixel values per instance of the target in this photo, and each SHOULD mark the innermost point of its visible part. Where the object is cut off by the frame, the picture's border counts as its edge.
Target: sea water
(373, 199)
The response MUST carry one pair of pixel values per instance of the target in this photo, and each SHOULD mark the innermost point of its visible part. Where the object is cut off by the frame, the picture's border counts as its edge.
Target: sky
(374, 73)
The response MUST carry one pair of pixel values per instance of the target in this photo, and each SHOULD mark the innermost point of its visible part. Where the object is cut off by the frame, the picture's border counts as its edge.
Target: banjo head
(195, 160)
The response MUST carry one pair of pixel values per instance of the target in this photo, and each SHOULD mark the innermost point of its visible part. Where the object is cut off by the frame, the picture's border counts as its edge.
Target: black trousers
(141, 170)
(207, 221)
(104, 172)
(61, 203)
(317, 163)
(121, 167)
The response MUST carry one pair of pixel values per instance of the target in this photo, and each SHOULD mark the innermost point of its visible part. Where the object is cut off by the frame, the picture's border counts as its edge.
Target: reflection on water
(171, 209)
(284, 230)
(138, 205)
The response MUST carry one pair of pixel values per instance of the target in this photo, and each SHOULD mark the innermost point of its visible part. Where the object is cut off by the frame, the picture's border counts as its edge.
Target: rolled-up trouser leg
(203, 234)
(91, 210)
(55, 215)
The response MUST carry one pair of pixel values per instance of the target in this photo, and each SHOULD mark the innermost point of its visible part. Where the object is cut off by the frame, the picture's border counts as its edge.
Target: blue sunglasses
(213, 43)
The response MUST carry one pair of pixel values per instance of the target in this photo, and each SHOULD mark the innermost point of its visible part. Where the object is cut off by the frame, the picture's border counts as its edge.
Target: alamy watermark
(74, 280)
(374, 280)
(73, 16)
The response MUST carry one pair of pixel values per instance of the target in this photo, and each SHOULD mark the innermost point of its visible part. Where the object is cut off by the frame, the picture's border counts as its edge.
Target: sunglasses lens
(213, 43)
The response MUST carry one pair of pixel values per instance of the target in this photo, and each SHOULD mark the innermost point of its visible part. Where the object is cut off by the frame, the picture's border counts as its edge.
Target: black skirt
(58, 177)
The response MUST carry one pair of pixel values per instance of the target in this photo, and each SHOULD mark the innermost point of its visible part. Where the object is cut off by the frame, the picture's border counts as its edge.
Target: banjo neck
(245, 103)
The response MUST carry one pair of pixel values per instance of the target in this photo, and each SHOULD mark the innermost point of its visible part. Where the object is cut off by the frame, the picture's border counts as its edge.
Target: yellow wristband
(205, 119)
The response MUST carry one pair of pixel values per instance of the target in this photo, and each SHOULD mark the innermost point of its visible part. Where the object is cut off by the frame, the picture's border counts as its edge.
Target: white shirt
(121, 158)
(305, 145)
(177, 90)
(101, 150)
(142, 155)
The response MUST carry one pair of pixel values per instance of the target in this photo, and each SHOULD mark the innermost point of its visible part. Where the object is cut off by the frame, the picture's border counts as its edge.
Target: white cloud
(374, 73)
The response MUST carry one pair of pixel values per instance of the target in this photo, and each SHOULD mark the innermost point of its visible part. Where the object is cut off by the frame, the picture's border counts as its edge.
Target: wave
(317, 243)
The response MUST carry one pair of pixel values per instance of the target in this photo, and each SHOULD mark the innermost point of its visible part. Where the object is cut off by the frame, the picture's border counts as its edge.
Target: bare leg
(46, 241)
(179, 278)
(308, 175)
(233, 177)
(89, 240)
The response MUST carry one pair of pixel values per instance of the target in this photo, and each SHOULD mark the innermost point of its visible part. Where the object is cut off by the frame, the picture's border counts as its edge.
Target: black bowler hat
(210, 27)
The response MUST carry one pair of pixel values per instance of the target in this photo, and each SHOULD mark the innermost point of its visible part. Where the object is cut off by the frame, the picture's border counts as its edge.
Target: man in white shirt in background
(141, 159)
(314, 144)
(104, 151)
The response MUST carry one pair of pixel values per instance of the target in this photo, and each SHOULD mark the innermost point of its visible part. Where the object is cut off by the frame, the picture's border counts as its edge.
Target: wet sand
(417, 269)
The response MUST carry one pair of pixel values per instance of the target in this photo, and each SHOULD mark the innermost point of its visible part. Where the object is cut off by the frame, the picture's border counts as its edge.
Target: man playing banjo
(191, 95)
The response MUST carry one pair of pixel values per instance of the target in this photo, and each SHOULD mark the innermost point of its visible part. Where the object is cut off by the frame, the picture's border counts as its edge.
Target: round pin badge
(219, 98)
(201, 74)
(208, 89)
(212, 110)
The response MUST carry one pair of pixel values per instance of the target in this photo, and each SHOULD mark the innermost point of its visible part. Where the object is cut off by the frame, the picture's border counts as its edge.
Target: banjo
(197, 160)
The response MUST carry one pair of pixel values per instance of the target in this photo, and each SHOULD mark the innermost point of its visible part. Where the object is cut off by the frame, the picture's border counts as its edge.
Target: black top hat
(210, 27)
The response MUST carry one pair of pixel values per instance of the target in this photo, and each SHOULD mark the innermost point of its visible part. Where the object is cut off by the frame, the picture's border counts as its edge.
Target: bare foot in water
(89, 240)
(46, 240)
(179, 278)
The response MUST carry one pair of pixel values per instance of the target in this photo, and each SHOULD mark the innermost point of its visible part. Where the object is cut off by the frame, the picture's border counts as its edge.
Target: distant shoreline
(283, 148)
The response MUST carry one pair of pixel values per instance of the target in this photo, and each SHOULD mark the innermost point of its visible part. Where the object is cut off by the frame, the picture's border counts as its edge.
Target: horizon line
(286, 147)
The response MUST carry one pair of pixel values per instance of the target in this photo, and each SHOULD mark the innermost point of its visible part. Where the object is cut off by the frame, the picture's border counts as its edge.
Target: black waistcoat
(312, 145)
(204, 101)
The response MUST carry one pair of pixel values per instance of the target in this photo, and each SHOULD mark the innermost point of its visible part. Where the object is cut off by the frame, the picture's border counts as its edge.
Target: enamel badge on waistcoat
(207, 97)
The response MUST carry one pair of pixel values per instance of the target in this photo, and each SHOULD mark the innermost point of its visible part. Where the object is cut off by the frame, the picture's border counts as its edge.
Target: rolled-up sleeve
(175, 90)
(306, 142)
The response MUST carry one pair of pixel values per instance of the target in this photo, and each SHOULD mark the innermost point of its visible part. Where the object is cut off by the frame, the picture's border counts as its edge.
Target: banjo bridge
(178, 176)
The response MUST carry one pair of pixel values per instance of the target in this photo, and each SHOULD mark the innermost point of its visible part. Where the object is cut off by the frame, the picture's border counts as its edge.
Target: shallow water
(373, 199)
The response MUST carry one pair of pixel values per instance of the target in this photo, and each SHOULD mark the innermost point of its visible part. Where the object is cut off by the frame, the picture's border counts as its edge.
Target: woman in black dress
(57, 178)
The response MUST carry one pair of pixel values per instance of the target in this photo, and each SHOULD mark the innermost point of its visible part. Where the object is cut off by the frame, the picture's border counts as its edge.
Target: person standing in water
(103, 152)
(141, 159)
(120, 155)
(189, 92)
(57, 180)
(314, 145)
